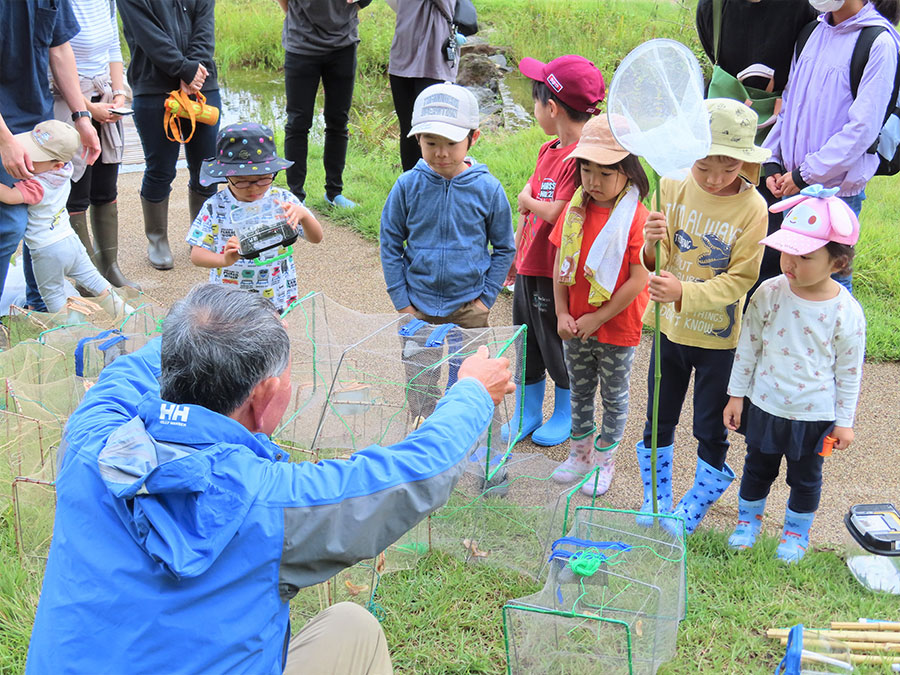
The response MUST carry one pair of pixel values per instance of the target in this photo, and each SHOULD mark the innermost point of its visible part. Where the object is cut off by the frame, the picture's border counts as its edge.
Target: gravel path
(346, 267)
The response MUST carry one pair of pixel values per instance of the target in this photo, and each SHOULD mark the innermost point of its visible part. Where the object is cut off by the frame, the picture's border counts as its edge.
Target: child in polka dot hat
(247, 162)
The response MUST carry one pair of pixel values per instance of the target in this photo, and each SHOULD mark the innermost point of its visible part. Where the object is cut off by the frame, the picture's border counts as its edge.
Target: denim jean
(13, 219)
(855, 203)
(32, 293)
(161, 154)
(302, 72)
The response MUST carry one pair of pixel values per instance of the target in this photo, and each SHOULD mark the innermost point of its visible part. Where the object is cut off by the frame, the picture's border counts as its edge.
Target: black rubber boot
(156, 227)
(105, 225)
(195, 201)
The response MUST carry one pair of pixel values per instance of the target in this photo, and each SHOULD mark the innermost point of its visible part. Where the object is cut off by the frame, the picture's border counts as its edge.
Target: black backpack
(887, 145)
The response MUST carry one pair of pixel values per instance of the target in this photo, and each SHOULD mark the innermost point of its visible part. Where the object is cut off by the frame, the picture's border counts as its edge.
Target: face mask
(826, 5)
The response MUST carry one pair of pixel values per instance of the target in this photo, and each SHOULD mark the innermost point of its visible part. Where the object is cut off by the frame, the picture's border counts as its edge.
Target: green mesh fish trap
(613, 597)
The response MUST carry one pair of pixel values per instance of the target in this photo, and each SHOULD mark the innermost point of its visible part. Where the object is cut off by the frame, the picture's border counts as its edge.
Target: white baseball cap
(447, 110)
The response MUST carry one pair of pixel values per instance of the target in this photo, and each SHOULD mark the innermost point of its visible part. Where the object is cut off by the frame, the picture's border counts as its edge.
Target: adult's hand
(100, 112)
(15, 160)
(492, 373)
(89, 139)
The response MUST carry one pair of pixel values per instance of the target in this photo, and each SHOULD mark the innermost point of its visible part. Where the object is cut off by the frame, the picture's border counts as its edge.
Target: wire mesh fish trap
(613, 597)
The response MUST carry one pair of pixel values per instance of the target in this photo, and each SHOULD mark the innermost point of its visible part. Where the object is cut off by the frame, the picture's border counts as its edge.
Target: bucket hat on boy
(242, 150)
(576, 81)
(732, 127)
(447, 110)
(50, 141)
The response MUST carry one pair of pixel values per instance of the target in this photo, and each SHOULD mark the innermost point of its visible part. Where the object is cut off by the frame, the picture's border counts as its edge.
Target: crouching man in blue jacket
(182, 531)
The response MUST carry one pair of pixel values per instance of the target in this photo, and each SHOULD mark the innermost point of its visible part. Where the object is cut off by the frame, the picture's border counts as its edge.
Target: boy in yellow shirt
(709, 238)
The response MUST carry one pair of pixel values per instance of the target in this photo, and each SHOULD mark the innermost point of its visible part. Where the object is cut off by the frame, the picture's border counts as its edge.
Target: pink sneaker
(579, 461)
(605, 461)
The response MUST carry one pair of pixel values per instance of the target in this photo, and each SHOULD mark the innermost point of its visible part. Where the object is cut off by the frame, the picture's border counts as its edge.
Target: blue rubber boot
(749, 522)
(709, 484)
(794, 536)
(663, 481)
(533, 415)
(557, 429)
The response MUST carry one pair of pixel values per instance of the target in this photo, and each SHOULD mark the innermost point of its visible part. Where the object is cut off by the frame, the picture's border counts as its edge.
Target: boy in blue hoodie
(456, 223)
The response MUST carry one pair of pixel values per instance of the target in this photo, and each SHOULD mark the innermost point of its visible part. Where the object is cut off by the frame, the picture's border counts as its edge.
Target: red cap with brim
(573, 79)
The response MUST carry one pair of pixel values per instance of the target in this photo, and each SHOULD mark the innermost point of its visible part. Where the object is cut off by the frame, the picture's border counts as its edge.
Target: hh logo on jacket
(170, 413)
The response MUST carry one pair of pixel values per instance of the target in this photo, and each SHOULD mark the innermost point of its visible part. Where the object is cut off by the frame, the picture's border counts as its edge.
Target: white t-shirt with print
(800, 359)
(212, 229)
(48, 221)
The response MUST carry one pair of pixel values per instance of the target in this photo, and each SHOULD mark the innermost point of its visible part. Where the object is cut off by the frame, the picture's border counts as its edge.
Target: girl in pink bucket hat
(798, 366)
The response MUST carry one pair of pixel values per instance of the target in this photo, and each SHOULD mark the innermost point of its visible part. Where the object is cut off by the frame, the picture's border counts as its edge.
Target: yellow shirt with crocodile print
(713, 248)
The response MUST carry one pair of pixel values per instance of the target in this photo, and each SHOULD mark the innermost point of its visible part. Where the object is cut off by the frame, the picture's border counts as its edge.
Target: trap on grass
(612, 600)
(362, 379)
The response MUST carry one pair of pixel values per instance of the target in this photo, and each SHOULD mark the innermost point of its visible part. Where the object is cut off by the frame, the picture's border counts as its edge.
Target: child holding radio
(246, 160)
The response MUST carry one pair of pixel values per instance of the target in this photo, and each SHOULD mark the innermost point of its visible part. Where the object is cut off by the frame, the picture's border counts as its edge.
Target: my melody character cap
(576, 81)
(242, 150)
(597, 143)
(732, 127)
(50, 141)
(447, 110)
(816, 218)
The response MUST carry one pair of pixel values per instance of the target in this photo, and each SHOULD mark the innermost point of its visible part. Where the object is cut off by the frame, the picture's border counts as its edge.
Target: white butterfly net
(656, 108)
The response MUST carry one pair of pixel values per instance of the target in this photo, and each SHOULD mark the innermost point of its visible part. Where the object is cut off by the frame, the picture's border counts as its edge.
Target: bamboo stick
(867, 658)
(871, 625)
(845, 635)
(854, 646)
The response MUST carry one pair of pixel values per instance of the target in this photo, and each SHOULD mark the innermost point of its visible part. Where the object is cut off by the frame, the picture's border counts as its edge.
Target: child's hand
(734, 409)
(511, 275)
(521, 200)
(787, 186)
(665, 288)
(773, 182)
(844, 436)
(480, 305)
(566, 326)
(655, 228)
(231, 252)
(588, 324)
(293, 211)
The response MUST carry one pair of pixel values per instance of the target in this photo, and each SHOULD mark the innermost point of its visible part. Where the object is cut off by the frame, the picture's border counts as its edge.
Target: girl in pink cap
(798, 366)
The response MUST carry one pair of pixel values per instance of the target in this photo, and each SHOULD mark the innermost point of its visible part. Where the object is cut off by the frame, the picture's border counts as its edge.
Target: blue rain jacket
(180, 536)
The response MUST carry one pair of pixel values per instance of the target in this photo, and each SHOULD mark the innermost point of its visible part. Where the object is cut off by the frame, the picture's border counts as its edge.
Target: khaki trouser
(344, 639)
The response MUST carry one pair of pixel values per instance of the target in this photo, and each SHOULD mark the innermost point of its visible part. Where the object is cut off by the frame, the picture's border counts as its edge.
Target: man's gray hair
(218, 343)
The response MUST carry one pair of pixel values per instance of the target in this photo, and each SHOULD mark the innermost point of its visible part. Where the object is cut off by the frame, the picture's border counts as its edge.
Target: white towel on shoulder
(604, 260)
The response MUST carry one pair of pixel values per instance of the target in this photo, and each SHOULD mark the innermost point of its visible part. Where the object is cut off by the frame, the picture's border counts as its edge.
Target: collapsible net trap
(611, 603)
(48, 363)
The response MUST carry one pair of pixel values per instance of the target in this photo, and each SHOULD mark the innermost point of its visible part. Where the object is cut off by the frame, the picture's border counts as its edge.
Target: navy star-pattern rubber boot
(794, 536)
(663, 481)
(749, 523)
(709, 484)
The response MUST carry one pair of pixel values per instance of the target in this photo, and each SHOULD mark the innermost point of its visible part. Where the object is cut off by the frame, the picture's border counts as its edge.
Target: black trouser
(712, 369)
(337, 71)
(771, 260)
(533, 306)
(404, 91)
(804, 476)
(161, 154)
(97, 186)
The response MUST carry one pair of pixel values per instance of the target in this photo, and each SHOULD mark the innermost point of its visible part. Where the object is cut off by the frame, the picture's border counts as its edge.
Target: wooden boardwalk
(133, 156)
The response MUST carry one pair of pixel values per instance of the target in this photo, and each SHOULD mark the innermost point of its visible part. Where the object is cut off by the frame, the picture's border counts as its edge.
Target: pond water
(258, 96)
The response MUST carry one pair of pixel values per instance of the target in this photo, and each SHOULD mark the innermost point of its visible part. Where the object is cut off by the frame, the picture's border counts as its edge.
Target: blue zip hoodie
(180, 536)
(447, 226)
